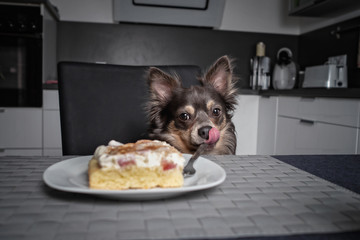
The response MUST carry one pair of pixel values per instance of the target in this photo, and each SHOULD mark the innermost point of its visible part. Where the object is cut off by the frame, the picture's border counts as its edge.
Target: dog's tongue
(214, 136)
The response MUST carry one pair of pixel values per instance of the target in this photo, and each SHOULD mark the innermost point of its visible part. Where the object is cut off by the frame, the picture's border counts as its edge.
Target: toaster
(325, 76)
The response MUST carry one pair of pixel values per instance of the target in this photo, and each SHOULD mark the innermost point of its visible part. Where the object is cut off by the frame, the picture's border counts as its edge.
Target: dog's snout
(204, 132)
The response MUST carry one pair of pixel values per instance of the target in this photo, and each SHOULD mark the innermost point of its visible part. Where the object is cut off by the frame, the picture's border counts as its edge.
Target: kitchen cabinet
(32, 131)
(21, 131)
(51, 126)
(316, 8)
(296, 125)
(296, 136)
(328, 110)
(254, 120)
(316, 125)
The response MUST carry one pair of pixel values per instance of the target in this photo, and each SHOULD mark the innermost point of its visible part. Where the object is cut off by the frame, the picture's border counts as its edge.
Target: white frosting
(142, 157)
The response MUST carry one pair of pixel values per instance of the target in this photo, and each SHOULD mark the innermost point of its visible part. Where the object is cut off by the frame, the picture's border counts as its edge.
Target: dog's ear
(220, 77)
(161, 84)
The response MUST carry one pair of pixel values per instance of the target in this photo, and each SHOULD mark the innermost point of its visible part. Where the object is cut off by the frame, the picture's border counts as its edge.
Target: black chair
(101, 102)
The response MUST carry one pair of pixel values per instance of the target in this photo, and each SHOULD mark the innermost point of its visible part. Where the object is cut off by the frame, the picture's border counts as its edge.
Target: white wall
(99, 11)
(264, 16)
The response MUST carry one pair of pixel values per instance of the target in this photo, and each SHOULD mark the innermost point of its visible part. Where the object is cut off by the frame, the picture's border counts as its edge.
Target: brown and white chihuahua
(189, 117)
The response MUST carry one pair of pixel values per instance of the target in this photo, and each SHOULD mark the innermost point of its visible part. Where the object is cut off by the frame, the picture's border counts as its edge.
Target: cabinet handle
(2, 110)
(2, 150)
(307, 121)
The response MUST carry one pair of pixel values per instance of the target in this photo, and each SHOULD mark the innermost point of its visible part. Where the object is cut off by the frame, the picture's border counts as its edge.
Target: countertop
(262, 197)
(307, 92)
(303, 92)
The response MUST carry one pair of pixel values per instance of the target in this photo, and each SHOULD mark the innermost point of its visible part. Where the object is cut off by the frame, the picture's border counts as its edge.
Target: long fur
(168, 99)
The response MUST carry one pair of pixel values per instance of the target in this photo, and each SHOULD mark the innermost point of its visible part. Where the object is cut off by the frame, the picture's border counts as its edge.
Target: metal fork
(189, 169)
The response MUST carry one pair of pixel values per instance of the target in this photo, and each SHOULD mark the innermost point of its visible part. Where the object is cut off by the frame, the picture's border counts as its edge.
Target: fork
(189, 169)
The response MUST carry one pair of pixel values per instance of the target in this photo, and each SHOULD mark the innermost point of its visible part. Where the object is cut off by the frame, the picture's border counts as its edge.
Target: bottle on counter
(260, 69)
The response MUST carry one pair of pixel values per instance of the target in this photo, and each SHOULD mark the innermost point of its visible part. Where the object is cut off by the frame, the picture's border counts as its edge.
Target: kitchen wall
(138, 44)
(266, 16)
(316, 46)
(87, 33)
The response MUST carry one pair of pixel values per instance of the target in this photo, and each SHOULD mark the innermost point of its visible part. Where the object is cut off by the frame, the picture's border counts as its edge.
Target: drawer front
(335, 139)
(292, 137)
(326, 110)
(296, 136)
(21, 128)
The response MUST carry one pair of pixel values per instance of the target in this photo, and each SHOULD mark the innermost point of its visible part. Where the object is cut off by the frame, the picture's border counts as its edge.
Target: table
(263, 197)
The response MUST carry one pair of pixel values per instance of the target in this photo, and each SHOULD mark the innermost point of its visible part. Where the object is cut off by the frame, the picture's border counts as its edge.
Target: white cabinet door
(51, 99)
(254, 120)
(245, 120)
(20, 128)
(52, 129)
(336, 139)
(296, 136)
(266, 125)
(52, 132)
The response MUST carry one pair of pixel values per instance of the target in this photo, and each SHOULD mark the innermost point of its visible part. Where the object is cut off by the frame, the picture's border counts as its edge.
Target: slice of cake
(141, 165)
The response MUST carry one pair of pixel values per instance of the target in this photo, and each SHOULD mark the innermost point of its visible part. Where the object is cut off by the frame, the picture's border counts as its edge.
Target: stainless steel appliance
(331, 75)
(20, 56)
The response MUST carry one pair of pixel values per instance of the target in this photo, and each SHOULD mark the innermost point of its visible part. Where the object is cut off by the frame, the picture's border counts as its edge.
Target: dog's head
(189, 117)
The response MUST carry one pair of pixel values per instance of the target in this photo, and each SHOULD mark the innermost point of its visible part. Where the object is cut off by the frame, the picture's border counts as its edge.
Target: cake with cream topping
(140, 165)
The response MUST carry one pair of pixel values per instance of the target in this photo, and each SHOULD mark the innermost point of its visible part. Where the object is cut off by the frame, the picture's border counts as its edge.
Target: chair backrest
(101, 102)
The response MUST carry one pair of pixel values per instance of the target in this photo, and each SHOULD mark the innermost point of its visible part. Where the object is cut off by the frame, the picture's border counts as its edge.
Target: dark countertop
(50, 86)
(303, 92)
(307, 92)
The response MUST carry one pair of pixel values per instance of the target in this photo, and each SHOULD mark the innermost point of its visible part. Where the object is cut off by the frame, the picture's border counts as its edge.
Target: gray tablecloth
(261, 197)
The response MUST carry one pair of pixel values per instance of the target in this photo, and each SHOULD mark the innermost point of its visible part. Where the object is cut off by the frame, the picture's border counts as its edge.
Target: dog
(189, 117)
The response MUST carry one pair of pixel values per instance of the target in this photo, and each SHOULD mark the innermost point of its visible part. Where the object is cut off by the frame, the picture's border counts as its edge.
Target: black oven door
(20, 70)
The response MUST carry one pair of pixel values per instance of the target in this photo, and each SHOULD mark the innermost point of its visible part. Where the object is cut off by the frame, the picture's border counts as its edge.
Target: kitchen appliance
(331, 75)
(20, 56)
(260, 69)
(284, 74)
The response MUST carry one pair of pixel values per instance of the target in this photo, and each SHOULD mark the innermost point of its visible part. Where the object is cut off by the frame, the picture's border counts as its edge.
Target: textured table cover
(261, 196)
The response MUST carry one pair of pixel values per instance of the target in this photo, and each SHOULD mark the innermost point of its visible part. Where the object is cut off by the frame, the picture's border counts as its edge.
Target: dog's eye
(184, 116)
(216, 112)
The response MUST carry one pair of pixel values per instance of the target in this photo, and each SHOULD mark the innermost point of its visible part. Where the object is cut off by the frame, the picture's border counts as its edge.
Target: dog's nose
(204, 132)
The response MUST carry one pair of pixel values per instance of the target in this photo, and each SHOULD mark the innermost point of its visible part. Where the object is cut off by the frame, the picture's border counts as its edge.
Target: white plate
(71, 176)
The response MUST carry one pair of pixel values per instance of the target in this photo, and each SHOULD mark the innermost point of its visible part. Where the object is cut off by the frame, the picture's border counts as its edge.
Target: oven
(20, 56)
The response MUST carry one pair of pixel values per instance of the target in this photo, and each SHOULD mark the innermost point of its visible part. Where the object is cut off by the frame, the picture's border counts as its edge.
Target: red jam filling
(167, 165)
(124, 163)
